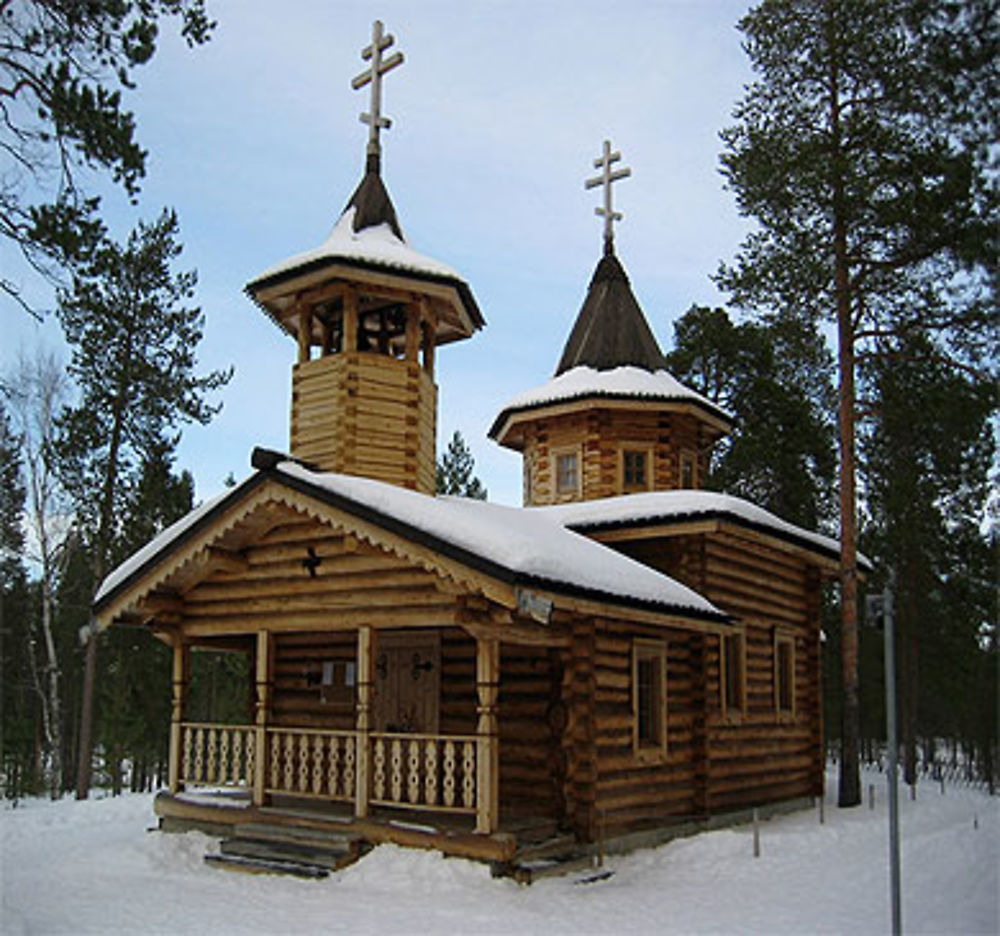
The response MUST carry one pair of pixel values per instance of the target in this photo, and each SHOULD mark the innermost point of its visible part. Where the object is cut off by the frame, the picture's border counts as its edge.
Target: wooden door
(407, 681)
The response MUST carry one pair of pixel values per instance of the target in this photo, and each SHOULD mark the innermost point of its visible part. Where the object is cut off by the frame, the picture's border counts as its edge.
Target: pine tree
(773, 379)
(455, 471)
(133, 343)
(863, 149)
(63, 67)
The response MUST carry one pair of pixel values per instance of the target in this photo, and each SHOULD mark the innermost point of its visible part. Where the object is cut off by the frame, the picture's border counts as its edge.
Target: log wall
(598, 435)
(367, 414)
(756, 754)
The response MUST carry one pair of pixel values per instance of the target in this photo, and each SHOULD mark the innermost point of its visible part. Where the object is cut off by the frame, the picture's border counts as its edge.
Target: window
(636, 466)
(567, 473)
(527, 490)
(649, 698)
(733, 677)
(784, 674)
(688, 470)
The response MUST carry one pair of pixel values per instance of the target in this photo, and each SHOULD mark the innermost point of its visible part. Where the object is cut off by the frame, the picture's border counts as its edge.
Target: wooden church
(626, 654)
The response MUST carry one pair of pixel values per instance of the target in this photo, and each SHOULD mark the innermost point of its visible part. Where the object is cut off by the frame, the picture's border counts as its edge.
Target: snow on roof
(523, 541)
(626, 382)
(528, 543)
(677, 505)
(377, 245)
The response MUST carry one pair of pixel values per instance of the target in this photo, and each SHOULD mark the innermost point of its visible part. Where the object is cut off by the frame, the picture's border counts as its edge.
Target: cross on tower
(373, 75)
(603, 162)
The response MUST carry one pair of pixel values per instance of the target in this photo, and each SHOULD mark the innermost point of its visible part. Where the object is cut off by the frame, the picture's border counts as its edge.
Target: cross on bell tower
(373, 76)
(603, 162)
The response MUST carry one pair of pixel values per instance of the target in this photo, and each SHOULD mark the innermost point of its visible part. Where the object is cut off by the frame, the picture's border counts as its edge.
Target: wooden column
(181, 669)
(488, 746)
(265, 647)
(428, 347)
(350, 342)
(305, 332)
(581, 775)
(366, 676)
(413, 320)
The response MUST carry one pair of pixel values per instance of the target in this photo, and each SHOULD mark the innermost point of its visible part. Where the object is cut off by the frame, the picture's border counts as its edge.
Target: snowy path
(92, 867)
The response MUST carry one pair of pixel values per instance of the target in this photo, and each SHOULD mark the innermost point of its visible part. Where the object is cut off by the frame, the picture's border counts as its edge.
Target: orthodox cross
(603, 162)
(373, 75)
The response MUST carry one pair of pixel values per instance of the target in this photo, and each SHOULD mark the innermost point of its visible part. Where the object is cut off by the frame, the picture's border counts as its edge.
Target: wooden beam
(366, 678)
(226, 560)
(264, 672)
(350, 342)
(488, 756)
(304, 331)
(181, 670)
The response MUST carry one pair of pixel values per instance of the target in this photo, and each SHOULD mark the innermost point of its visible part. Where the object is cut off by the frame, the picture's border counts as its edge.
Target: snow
(376, 245)
(527, 542)
(625, 382)
(687, 504)
(92, 867)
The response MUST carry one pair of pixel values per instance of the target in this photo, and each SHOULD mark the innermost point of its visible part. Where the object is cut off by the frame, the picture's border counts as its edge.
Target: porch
(384, 746)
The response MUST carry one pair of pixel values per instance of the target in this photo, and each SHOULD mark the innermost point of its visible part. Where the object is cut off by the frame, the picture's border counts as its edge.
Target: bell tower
(367, 312)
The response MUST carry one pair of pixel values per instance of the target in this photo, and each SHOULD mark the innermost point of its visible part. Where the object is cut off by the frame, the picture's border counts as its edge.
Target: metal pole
(890, 724)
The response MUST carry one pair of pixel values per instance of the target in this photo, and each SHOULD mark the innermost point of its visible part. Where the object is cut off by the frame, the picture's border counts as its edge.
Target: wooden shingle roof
(611, 330)
(371, 202)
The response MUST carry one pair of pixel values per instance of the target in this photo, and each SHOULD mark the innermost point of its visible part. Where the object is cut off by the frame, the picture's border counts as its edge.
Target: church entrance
(407, 682)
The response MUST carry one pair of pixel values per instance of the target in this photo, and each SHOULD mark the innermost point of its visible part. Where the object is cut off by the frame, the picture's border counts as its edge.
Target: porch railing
(218, 755)
(423, 771)
(412, 771)
(311, 762)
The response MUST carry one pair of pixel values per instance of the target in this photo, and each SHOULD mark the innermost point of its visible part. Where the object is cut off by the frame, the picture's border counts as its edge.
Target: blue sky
(498, 113)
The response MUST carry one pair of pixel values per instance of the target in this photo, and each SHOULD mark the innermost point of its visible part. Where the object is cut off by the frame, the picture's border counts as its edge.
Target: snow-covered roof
(618, 383)
(376, 246)
(675, 506)
(527, 547)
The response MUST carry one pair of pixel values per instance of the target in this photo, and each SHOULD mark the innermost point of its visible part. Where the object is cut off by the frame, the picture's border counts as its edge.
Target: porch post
(265, 644)
(365, 679)
(488, 747)
(182, 656)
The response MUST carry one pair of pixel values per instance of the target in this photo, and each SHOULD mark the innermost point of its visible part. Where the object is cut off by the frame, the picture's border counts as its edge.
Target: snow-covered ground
(93, 867)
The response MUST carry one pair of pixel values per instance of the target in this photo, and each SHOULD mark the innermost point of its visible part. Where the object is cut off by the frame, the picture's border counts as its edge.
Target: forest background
(886, 209)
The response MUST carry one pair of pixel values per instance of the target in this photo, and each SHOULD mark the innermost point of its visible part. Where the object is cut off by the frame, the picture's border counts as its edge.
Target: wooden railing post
(265, 643)
(179, 695)
(488, 748)
(366, 673)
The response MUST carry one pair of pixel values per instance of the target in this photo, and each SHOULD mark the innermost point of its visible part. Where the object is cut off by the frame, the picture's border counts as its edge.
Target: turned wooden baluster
(430, 773)
(396, 767)
(413, 772)
(223, 755)
(448, 780)
(378, 765)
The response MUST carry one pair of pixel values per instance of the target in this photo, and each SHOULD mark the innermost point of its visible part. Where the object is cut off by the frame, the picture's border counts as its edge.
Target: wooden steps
(260, 848)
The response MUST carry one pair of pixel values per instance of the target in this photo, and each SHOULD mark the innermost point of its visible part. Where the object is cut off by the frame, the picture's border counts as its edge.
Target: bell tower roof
(610, 330)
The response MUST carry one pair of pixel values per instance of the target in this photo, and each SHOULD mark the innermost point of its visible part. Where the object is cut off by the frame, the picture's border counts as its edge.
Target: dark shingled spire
(371, 201)
(610, 330)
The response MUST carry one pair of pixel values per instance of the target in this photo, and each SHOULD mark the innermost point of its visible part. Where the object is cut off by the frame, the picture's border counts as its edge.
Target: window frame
(687, 456)
(527, 479)
(733, 711)
(655, 651)
(783, 639)
(561, 452)
(647, 457)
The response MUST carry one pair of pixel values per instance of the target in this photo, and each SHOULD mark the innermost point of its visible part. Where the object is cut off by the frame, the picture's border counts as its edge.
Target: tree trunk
(100, 562)
(850, 772)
